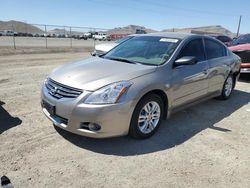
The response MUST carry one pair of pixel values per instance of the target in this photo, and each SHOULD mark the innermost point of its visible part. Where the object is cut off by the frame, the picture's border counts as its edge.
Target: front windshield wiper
(123, 60)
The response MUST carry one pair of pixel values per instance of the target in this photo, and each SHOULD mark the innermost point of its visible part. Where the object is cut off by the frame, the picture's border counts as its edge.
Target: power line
(186, 9)
(162, 5)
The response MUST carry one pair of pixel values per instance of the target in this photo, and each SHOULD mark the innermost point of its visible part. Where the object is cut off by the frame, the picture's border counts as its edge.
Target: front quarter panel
(158, 80)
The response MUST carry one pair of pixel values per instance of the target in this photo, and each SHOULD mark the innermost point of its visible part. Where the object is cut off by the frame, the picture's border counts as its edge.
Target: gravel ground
(206, 145)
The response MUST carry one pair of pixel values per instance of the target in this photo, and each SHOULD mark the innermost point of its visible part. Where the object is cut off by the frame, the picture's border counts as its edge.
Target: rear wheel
(146, 117)
(227, 87)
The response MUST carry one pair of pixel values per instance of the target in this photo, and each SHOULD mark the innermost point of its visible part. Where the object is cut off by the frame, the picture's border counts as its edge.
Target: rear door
(190, 81)
(219, 64)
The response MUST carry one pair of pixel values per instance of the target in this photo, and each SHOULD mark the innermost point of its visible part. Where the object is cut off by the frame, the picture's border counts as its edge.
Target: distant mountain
(64, 32)
(130, 29)
(214, 29)
(19, 27)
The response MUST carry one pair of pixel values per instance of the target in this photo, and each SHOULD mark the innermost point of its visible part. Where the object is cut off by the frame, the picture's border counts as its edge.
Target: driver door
(190, 82)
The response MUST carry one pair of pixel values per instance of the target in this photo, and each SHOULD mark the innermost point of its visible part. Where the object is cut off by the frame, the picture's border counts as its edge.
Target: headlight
(46, 81)
(109, 94)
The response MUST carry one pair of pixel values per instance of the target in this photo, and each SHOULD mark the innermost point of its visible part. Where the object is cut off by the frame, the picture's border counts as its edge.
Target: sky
(154, 14)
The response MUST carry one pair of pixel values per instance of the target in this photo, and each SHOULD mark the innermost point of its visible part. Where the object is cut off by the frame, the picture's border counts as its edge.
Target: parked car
(241, 47)
(9, 33)
(138, 83)
(225, 39)
(242, 39)
(83, 37)
(100, 36)
(101, 49)
(36, 35)
(140, 31)
(87, 35)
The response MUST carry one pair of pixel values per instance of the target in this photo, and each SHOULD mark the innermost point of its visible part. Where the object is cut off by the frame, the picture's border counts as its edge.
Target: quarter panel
(219, 69)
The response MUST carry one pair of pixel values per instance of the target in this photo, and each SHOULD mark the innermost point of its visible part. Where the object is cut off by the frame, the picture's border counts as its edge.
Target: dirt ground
(207, 145)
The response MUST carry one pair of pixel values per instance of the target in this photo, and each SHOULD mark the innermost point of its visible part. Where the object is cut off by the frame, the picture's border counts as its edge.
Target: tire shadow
(178, 129)
(245, 78)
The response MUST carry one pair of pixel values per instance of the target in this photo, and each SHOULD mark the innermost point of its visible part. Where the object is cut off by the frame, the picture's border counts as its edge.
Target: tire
(227, 88)
(151, 119)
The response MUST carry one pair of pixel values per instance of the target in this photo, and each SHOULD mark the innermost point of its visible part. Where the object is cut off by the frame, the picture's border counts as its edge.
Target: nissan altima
(143, 80)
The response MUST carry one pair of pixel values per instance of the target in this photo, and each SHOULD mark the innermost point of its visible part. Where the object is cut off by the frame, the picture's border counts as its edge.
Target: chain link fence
(51, 36)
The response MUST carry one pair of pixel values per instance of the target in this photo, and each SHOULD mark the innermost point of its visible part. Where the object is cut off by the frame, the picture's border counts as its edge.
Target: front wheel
(227, 88)
(146, 117)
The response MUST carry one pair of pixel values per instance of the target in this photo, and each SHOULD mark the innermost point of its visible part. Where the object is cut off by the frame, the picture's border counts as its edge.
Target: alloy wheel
(149, 117)
(228, 86)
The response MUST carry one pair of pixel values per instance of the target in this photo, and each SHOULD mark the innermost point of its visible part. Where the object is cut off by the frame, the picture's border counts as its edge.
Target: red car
(241, 47)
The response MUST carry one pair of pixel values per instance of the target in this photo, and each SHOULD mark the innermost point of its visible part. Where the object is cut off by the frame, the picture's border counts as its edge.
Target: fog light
(90, 126)
(94, 127)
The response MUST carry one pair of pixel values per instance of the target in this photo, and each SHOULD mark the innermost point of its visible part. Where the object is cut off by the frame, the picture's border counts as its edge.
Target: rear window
(214, 49)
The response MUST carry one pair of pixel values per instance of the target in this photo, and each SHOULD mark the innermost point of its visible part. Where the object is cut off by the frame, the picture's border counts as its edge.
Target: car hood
(94, 73)
(105, 47)
(241, 47)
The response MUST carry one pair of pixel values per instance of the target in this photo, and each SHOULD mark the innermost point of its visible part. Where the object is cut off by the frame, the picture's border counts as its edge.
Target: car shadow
(179, 128)
(6, 120)
(244, 78)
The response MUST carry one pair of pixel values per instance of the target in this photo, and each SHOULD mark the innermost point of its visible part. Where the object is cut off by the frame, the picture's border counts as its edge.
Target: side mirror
(186, 60)
(93, 53)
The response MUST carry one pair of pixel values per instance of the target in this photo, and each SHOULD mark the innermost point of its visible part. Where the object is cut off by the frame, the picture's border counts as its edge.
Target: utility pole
(239, 26)
(14, 40)
(45, 29)
(70, 35)
(26, 30)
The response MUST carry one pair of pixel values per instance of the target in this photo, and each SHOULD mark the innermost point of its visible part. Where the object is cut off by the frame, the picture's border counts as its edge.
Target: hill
(66, 32)
(130, 29)
(19, 27)
(214, 29)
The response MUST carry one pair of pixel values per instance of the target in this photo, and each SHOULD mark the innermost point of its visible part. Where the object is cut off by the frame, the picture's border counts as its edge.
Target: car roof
(170, 35)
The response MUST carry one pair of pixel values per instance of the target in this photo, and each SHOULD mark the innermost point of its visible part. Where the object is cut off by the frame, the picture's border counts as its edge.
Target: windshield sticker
(168, 40)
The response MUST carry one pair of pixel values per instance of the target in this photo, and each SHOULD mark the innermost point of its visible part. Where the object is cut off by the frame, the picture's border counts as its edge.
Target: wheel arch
(235, 76)
(162, 95)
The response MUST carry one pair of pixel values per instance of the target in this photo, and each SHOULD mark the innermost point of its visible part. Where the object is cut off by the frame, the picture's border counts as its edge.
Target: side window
(214, 49)
(194, 48)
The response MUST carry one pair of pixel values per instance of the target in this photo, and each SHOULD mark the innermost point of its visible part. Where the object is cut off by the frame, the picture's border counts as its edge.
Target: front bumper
(245, 60)
(114, 119)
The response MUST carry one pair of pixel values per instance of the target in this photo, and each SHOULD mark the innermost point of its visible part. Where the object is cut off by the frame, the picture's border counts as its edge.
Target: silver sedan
(138, 83)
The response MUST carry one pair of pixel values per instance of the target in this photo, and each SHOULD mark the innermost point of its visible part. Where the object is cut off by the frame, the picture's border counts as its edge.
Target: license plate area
(50, 108)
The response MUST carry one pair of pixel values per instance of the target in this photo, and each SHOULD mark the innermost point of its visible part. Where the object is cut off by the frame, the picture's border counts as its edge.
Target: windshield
(150, 50)
(244, 39)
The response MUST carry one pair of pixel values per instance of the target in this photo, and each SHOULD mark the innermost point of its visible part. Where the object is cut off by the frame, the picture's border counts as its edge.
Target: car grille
(59, 91)
(244, 55)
